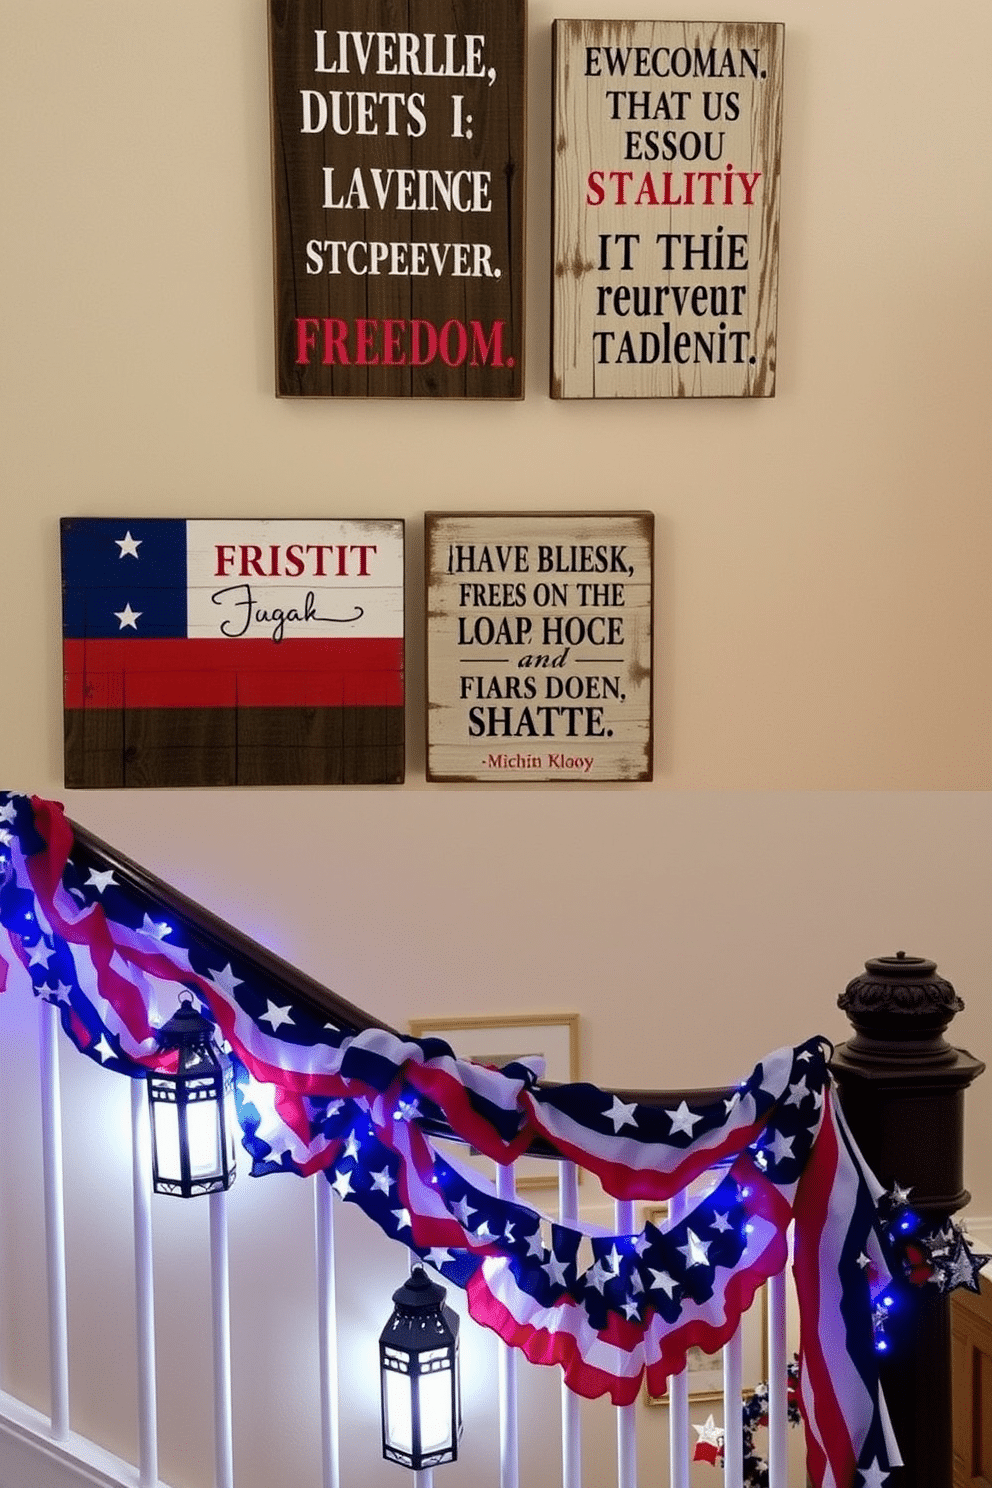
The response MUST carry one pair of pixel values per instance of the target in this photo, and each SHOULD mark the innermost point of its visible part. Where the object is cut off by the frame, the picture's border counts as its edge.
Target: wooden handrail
(312, 996)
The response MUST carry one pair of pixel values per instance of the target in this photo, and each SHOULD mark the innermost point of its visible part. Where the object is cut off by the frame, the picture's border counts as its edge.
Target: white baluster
(733, 1385)
(51, 1146)
(221, 1304)
(144, 1292)
(778, 1418)
(623, 1211)
(509, 1444)
(571, 1421)
(678, 1390)
(327, 1332)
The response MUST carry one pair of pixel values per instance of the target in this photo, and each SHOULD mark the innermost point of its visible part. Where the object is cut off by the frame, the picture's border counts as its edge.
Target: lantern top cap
(419, 1294)
(186, 1026)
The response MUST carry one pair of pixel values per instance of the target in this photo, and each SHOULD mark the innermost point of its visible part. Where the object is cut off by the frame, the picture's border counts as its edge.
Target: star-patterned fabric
(361, 1108)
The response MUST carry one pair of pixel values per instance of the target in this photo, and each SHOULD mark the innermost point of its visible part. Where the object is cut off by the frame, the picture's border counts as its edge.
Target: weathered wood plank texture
(667, 146)
(539, 643)
(398, 191)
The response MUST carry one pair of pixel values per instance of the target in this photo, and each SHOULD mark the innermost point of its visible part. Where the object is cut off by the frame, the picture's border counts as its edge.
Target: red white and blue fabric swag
(360, 1108)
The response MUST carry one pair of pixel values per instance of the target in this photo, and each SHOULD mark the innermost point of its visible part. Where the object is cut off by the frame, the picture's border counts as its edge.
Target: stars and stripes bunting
(362, 1108)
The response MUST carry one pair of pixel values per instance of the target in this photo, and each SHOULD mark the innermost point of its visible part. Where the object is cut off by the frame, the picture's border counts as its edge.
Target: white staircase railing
(69, 1458)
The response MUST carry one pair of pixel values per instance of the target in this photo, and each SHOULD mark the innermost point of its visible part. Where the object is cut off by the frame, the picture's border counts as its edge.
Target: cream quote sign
(666, 208)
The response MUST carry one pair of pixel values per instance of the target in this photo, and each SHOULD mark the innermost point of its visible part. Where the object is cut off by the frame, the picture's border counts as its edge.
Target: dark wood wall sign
(666, 207)
(232, 652)
(398, 182)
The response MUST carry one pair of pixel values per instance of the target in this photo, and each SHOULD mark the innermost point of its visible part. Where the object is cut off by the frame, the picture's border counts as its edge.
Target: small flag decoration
(216, 652)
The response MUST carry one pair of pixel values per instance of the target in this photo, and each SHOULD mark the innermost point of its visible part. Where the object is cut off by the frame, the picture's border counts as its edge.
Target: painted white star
(276, 1016)
(636, 1284)
(662, 1282)
(128, 545)
(874, 1476)
(463, 1212)
(351, 1145)
(621, 1114)
(732, 1102)
(101, 880)
(509, 1234)
(682, 1119)
(798, 1093)
(402, 1218)
(721, 1223)
(61, 993)
(438, 1257)
(641, 1243)
(382, 1181)
(483, 1232)
(128, 617)
(104, 1050)
(342, 1183)
(409, 1110)
(555, 1269)
(8, 811)
(535, 1245)
(334, 1106)
(900, 1196)
(41, 954)
(224, 981)
(631, 1308)
(614, 1260)
(696, 1251)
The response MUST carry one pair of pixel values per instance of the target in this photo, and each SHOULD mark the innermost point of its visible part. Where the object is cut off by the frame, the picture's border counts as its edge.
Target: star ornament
(709, 1444)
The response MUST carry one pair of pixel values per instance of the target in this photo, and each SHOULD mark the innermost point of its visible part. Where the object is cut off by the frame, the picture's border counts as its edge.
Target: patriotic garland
(359, 1108)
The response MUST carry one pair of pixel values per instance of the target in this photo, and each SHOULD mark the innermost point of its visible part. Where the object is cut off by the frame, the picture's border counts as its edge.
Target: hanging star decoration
(754, 1414)
(940, 1256)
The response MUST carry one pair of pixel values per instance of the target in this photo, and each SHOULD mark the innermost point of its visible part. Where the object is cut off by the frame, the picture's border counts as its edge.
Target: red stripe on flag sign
(205, 673)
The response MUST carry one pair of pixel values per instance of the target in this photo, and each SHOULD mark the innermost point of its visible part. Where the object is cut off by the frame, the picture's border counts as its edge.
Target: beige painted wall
(823, 674)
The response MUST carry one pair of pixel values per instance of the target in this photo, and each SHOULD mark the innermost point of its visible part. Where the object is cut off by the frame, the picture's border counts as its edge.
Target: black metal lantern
(418, 1362)
(192, 1110)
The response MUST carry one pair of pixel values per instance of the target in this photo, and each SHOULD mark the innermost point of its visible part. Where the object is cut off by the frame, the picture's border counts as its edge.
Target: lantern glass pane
(435, 1411)
(165, 1120)
(399, 1421)
(202, 1130)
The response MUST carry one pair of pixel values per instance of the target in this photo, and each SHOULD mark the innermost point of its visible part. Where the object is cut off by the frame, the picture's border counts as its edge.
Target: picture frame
(498, 1040)
(705, 1371)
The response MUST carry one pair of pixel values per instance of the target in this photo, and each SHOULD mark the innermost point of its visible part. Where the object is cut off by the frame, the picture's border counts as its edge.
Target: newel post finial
(901, 1086)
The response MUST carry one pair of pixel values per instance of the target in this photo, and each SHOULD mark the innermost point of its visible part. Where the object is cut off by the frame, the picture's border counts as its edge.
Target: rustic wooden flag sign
(539, 646)
(666, 208)
(232, 652)
(398, 185)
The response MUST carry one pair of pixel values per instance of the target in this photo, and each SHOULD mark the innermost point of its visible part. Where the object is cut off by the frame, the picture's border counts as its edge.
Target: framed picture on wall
(501, 1040)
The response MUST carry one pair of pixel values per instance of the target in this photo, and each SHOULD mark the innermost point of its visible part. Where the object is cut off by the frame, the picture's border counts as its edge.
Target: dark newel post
(901, 1086)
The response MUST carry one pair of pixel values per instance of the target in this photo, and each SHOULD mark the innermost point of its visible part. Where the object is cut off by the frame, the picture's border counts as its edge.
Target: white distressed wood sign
(667, 148)
(539, 640)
